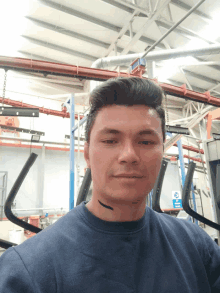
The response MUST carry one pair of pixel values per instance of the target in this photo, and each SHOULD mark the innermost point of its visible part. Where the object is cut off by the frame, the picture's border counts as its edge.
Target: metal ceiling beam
(201, 77)
(94, 20)
(120, 6)
(169, 12)
(79, 14)
(61, 30)
(186, 80)
(217, 67)
(195, 120)
(187, 7)
(39, 57)
(206, 63)
(164, 41)
(126, 26)
(177, 3)
(174, 26)
(182, 31)
(145, 26)
(188, 33)
(61, 49)
(126, 6)
(165, 23)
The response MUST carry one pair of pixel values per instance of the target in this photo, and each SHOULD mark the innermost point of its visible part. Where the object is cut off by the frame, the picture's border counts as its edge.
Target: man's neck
(126, 212)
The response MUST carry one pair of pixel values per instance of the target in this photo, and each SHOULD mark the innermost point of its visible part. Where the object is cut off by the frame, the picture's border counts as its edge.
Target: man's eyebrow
(107, 130)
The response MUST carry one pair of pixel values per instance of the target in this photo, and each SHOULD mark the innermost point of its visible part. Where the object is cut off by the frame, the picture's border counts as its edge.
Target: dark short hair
(128, 92)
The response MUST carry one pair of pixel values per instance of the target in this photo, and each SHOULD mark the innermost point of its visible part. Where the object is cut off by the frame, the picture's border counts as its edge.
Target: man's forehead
(143, 122)
(114, 109)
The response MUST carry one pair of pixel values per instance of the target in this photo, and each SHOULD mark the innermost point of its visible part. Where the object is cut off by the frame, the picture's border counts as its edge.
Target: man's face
(124, 151)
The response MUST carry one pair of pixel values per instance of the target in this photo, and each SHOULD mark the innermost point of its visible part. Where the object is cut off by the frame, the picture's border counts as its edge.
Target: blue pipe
(72, 152)
(81, 122)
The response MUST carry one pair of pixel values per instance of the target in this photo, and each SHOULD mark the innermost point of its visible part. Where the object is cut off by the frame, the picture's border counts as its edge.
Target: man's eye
(146, 141)
(107, 141)
(151, 142)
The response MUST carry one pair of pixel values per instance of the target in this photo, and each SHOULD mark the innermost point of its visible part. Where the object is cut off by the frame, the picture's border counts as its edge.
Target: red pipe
(190, 148)
(98, 74)
(193, 159)
(27, 146)
(43, 110)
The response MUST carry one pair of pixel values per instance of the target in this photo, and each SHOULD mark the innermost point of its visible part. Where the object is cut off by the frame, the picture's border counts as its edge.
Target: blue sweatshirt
(81, 253)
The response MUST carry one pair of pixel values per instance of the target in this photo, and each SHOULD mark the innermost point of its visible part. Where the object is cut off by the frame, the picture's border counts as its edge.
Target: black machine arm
(158, 187)
(6, 244)
(186, 196)
(10, 199)
(84, 189)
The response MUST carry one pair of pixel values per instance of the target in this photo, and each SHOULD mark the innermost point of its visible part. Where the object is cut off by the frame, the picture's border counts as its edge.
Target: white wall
(56, 177)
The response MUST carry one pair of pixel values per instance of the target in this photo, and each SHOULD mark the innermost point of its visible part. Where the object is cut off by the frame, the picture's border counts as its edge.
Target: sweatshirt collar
(121, 227)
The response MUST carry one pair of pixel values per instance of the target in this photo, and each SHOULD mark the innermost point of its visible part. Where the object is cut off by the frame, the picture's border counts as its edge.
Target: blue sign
(177, 203)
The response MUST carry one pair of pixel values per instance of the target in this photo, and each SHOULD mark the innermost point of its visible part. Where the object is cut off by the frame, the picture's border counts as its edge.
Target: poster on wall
(177, 199)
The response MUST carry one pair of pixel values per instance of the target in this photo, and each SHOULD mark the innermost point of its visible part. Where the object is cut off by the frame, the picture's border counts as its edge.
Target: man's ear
(86, 154)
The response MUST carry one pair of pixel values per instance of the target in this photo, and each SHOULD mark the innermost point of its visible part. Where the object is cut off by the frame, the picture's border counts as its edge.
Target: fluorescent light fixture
(35, 138)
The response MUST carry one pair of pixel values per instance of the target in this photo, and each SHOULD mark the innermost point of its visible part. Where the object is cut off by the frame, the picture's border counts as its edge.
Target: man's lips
(129, 176)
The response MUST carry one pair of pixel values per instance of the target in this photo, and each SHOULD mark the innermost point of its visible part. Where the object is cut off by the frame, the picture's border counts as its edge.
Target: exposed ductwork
(155, 56)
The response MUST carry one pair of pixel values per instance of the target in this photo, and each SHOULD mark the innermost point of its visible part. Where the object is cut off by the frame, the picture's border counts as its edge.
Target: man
(114, 243)
(126, 142)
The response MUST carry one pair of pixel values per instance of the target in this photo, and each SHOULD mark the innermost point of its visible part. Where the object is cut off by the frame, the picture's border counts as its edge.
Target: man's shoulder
(175, 225)
(50, 238)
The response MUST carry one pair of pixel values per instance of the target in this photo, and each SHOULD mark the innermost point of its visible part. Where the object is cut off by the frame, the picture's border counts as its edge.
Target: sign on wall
(177, 199)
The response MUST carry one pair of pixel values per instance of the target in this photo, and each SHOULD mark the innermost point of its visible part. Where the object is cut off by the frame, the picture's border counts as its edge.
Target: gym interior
(52, 57)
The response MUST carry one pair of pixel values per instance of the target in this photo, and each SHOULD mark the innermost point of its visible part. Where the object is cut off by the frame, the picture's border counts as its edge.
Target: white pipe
(36, 209)
(40, 142)
(183, 119)
(173, 27)
(78, 95)
(155, 56)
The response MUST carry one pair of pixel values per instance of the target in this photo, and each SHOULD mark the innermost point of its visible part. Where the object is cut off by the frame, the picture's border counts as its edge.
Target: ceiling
(81, 31)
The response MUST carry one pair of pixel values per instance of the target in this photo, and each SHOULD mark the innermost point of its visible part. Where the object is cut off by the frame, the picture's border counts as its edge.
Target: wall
(171, 183)
(7, 226)
(56, 177)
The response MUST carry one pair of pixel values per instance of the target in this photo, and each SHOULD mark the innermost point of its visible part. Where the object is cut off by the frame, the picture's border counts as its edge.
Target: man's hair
(128, 92)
